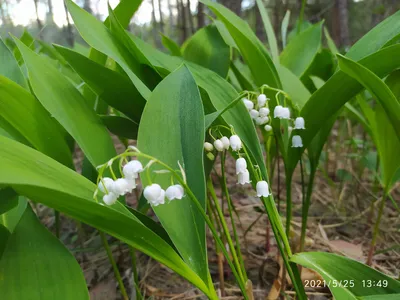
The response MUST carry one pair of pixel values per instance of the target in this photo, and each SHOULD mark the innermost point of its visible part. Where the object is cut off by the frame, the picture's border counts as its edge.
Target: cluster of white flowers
(224, 143)
(297, 142)
(121, 186)
(259, 112)
(156, 195)
(242, 172)
(153, 193)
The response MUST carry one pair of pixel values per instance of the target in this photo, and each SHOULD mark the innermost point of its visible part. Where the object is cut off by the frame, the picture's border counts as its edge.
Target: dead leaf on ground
(347, 249)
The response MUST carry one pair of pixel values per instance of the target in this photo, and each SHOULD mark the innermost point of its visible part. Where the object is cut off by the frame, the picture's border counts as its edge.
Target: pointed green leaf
(64, 102)
(273, 45)
(170, 45)
(9, 66)
(121, 126)
(8, 200)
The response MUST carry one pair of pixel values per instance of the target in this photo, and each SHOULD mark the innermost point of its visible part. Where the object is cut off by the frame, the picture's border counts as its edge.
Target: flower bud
(268, 127)
(132, 169)
(108, 183)
(261, 100)
(299, 123)
(241, 165)
(210, 156)
(254, 113)
(208, 146)
(219, 145)
(225, 142)
(262, 189)
(174, 192)
(110, 198)
(249, 104)
(261, 120)
(297, 141)
(244, 177)
(264, 112)
(236, 143)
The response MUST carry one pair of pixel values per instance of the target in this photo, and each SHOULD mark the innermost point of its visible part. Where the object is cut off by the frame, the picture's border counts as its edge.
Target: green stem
(288, 203)
(231, 208)
(114, 265)
(135, 274)
(305, 208)
(226, 230)
(301, 16)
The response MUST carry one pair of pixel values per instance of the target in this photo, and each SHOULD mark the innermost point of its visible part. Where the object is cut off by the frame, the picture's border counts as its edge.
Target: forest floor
(339, 222)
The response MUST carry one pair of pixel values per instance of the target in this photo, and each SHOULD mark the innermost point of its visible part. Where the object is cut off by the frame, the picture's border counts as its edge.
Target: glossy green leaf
(284, 27)
(98, 36)
(170, 45)
(177, 135)
(68, 107)
(121, 126)
(252, 50)
(302, 49)
(293, 86)
(375, 86)
(11, 218)
(36, 176)
(339, 89)
(35, 260)
(114, 88)
(124, 12)
(244, 81)
(28, 117)
(376, 38)
(207, 48)
(273, 45)
(8, 200)
(334, 268)
(9, 66)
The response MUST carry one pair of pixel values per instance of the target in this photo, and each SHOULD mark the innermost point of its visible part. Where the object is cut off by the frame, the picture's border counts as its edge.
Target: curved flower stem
(305, 208)
(231, 208)
(135, 274)
(114, 265)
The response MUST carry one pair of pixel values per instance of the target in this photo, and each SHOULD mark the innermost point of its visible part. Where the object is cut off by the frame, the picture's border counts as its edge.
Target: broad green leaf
(11, 218)
(170, 45)
(244, 81)
(177, 135)
(339, 89)
(28, 117)
(302, 49)
(323, 66)
(273, 45)
(98, 36)
(334, 268)
(381, 297)
(36, 265)
(121, 126)
(207, 48)
(114, 88)
(375, 86)
(63, 101)
(210, 118)
(9, 66)
(251, 48)
(28, 41)
(223, 31)
(8, 200)
(330, 42)
(41, 179)
(284, 27)
(124, 12)
(376, 38)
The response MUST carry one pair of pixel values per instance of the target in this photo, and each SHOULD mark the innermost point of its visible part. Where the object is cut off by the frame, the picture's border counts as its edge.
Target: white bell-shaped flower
(108, 183)
(219, 145)
(174, 192)
(110, 198)
(244, 177)
(278, 111)
(299, 123)
(208, 146)
(285, 113)
(160, 199)
(132, 169)
(268, 127)
(261, 120)
(264, 112)
(131, 184)
(261, 100)
(249, 104)
(241, 165)
(235, 142)
(262, 189)
(297, 141)
(154, 194)
(254, 113)
(225, 142)
(121, 186)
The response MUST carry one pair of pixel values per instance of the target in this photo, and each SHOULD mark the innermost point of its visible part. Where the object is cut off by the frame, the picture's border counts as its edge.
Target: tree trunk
(50, 14)
(190, 17)
(344, 22)
(233, 5)
(161, 17)
(39, 23)
(260, 31)
(182, 21)
(200, 15)
(336, 24)
(154, 21)
(87, 7)
(70, 33)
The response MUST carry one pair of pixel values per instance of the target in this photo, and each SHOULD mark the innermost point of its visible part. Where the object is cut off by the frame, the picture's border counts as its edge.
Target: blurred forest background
(346, 20)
